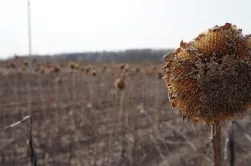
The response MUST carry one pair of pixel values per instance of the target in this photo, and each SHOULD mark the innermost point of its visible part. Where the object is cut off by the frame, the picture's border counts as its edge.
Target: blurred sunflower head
(209, 78)
(120, 83)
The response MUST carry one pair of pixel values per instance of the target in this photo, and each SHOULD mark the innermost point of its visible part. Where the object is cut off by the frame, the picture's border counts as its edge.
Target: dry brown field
(80, 118)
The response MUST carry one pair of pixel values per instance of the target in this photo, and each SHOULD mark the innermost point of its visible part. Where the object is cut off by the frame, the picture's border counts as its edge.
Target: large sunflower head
(209, 78)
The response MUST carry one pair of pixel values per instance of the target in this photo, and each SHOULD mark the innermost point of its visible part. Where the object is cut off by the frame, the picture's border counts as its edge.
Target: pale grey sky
(90, 25)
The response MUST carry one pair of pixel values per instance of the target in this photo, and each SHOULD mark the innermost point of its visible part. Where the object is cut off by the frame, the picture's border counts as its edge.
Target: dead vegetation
(82, 119)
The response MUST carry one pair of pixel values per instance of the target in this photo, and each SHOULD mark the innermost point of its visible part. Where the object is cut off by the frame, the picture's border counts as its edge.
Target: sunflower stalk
(216, 143)
(232, 145)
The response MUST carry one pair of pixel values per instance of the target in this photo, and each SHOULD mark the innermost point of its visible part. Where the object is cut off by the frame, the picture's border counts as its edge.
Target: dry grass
(80, 120)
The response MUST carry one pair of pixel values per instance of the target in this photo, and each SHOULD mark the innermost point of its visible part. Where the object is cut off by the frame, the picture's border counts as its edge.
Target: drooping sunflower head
(209, 78)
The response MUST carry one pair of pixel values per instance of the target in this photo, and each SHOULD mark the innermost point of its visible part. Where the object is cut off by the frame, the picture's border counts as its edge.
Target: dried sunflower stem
(232, 145)
(216, 142)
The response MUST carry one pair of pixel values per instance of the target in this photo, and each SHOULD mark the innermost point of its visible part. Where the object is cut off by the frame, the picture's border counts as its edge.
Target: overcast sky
(90, 25)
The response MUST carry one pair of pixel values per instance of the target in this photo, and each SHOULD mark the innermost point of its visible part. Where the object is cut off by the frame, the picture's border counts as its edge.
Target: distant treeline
(131, 55)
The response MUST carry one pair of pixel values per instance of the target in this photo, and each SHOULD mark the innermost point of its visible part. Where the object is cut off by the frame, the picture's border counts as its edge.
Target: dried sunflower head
(120, 83)
(122, 66)
(74, 66)
(94, 73)
(56, 69)
(209, 78)
(26, 62)
(137, 70)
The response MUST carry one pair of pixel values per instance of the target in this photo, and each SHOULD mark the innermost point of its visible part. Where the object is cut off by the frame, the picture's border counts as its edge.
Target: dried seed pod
(120, 83)
(88, 69)
(26, 62)
(94, 73)
(56, 69)
(74, 66)
(11, 64)
(137, 70)
(209, 79)
(122, 67)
